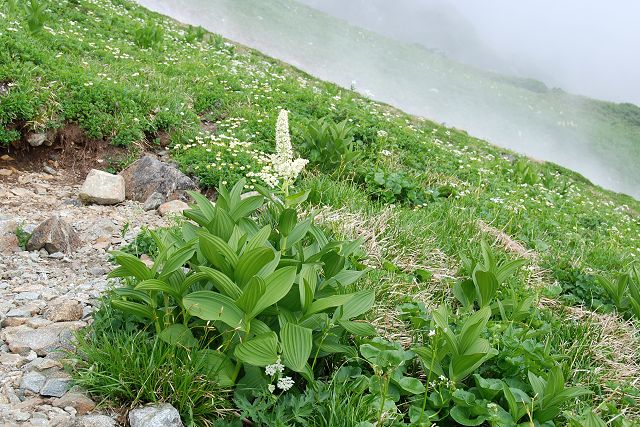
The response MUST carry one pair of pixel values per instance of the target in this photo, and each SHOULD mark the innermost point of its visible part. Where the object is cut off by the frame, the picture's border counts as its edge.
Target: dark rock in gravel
(149, 175)
(55, 235)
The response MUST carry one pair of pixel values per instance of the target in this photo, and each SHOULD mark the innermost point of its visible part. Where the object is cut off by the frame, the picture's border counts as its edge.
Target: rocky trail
(49, 291)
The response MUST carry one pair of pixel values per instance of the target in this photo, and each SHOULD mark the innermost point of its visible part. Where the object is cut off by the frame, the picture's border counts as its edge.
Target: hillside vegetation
(422, 199)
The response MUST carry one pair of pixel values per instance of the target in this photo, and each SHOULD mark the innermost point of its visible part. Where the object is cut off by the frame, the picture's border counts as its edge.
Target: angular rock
(36, 139)
(22, 339)
(153, 201)
(102, 188)
(56, 386)
(149, 175)
(64, 311)
(5, 172)
(81, 403)
(55, 235)
(94, 421)
(8, 238)
(33, 382)
(162, 415)
(174, 207)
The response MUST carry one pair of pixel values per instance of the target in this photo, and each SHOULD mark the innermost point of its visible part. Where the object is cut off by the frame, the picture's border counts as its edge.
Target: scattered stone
(162, 415)
(146, 259)
(8, 238)
(102, 188)
(33, 382)
(98, 271)
(22, 339)
(36, 139)
(10, 359)
(149, 175)
(174, 207)
(55, 235)
(78, 401)
(21, 192)
(6, 158)
(48, 169)
(27, 296)
(56, 255)
(56, 387)
(94, 421)
(64, 311)
(153, 201)
(5, 172)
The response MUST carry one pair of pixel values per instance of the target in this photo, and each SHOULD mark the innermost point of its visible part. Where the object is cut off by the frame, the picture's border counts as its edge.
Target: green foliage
(36, 16)
(195, 34)
(329, 145)
(625, 291)
(487, 275)
(395, 187)
(8, 136)
(148, 36)
(23, 237)
(132, 367)
(257, 293)
(143, 243)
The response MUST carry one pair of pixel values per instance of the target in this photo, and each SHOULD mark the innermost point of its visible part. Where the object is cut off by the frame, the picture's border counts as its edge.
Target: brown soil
(71, 152)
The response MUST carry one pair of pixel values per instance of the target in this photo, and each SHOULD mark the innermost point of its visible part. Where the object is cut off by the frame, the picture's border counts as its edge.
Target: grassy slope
(517, 113)
(85, 67)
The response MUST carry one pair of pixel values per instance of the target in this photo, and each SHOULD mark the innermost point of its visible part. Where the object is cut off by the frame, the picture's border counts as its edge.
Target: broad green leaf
(287, 221)
(296, 344)
(328, 302)
(259, 239)
(472, 328)
(246, 207)
(277, 286)
(158, 285)
(463, 417)
(134, 308)
(217, 250)
(261, 350)
(298, 232)
(465, 292)
(219, 365)
(486, 286)
(208, 305)
(136, 294)
(359, 328)
(251, 294)
(178, 334)
(251, 262)
(132, 264)
(331, 348)
(207, 209)
(177, 260)
(358, 304)
(222, 282)
(411, 385)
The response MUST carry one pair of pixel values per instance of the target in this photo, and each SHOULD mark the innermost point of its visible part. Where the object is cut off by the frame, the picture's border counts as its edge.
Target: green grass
(218, 103)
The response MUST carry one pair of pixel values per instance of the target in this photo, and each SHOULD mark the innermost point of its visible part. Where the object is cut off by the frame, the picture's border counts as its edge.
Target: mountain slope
(600, 140)
(421, 193)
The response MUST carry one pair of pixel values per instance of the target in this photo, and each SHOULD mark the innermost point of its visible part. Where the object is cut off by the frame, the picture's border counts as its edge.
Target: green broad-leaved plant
(252, 290)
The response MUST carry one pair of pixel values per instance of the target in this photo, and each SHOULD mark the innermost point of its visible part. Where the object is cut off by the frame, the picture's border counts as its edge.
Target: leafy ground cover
(463, 331)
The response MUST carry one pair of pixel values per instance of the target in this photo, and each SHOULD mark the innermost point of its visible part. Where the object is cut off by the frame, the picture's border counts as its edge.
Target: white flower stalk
(281, 168)
(277, 367)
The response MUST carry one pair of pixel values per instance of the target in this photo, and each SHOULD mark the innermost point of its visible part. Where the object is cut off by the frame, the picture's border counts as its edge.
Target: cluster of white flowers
(283, 383)
(277, 367)
(382, 133)
(281, 167)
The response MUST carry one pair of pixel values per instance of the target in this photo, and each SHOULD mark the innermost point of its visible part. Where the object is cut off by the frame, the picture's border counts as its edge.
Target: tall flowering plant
(280, 169)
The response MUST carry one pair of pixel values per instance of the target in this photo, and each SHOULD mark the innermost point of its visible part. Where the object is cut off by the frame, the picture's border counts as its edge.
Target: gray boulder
(102, 188)
(55, 235)
(149, 175)
(8, 238)
(162, 415)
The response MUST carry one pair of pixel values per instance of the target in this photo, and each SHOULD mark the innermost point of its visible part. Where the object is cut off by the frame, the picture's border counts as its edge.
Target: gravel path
(45, 297)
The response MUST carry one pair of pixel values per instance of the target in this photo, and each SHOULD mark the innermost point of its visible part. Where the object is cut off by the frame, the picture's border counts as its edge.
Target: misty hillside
(197, 233)
(601, 140)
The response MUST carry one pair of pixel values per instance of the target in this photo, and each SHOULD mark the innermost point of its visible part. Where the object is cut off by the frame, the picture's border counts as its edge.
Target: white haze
(587, 47)
(415, 80)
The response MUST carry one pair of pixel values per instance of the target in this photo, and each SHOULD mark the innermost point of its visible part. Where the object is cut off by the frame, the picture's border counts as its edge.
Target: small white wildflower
(442, 378)
(277, 367)
(432, 332)
(386, 152)
(382, 133)
(285, 383)
(271, 388)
